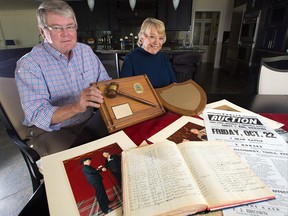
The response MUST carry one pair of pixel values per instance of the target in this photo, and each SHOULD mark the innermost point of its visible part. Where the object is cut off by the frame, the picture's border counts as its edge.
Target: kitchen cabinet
(276, 31)
(255, 5)
(96, 20)
(112, 15)
(179, 19)
(232, 46)
(122, 16)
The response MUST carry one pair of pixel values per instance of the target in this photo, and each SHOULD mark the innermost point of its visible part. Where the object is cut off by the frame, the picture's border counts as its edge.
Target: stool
(186, 65)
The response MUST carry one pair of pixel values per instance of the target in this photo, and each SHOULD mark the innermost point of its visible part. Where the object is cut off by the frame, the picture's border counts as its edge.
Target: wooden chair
(186, 66)
(273, 76)
(11, 114)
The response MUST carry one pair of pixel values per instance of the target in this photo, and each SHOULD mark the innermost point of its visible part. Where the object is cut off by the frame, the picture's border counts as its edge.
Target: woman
(146, 59)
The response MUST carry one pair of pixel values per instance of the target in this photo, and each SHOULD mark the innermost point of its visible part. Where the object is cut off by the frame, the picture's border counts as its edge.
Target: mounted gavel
(113, 91)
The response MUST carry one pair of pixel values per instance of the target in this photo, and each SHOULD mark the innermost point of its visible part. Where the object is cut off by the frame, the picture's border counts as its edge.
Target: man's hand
(90, 97)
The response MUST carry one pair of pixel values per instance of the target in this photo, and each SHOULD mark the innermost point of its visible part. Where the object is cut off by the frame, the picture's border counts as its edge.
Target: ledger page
(262, 148)
(156, 180)
(224, 179)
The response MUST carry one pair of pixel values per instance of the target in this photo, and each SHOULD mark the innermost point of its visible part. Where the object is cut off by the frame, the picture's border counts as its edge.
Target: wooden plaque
(123, 111)
(186, 98)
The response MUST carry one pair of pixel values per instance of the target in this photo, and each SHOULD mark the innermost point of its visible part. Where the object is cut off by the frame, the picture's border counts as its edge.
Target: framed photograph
(68, 189)
(183, 129)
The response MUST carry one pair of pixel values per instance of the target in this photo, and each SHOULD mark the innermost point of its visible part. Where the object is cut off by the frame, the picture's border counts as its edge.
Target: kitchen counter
(164, 50)
(113, 59)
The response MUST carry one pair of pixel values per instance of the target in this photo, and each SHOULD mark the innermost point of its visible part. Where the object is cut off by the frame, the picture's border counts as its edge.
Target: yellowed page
(222, 176)
(156, 180)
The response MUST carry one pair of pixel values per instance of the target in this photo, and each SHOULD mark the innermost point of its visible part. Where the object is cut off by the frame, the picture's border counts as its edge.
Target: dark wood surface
(255, 103)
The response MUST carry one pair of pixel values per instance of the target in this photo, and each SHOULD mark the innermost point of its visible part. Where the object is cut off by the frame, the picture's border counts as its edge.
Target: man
(195, 134)
(95, 180)
(54, 79)
(201, 134)
(113, 162)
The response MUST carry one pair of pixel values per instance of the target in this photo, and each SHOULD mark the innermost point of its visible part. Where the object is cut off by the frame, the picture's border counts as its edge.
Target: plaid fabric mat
(90, 207)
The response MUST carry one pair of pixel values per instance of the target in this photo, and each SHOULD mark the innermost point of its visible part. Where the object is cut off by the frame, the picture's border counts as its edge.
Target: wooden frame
(134, 111)
(186, 98)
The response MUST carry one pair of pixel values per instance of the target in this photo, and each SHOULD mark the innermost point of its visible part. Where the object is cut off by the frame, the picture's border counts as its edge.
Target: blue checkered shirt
(46, 80)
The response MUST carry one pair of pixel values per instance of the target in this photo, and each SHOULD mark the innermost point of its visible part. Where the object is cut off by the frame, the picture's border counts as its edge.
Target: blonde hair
(146, 27)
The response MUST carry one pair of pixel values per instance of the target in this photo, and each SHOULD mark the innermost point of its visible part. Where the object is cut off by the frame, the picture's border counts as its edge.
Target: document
(169, 179)
(228, 106)
(261, 147)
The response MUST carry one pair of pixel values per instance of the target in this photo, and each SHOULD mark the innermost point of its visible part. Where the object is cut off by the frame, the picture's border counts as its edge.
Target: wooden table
(255, 103)
(272, 104)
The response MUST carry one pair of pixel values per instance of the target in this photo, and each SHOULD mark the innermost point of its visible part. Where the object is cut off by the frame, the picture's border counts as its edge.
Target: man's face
(63, 40)
(106, 154)
(194, 131)
(87, 162)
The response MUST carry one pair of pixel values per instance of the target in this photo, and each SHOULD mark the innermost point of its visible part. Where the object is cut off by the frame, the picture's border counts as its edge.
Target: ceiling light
(132, 4)
(91, 4)
(175, 3)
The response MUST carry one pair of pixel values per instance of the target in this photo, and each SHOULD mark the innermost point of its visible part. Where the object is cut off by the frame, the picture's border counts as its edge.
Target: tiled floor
(219, 81)
(15, 183)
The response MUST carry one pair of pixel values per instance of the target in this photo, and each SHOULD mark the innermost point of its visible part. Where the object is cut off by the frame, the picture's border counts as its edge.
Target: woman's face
(152, 41)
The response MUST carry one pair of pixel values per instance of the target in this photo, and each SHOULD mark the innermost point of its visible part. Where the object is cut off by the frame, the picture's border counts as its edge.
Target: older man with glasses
(54, 83)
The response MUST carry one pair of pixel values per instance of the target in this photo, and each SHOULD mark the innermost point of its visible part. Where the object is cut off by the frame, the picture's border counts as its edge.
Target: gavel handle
(136, 98)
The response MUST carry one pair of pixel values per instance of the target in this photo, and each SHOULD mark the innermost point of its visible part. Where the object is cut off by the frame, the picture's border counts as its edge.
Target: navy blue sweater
(157, 67)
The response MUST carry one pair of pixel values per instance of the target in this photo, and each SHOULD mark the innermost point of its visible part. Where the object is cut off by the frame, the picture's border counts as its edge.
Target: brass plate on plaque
(122, 111)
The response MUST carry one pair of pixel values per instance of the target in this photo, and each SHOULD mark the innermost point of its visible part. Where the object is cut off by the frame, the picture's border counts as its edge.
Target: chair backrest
(10, 102)
(110, 62)
(189, 58)
(185, 66)
(273, 76)
(11, 114)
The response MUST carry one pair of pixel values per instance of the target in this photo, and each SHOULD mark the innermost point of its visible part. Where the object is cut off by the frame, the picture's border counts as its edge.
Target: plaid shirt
(46, 79)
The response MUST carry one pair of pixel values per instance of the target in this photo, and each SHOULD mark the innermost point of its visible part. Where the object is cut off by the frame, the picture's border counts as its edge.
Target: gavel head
(112, 90)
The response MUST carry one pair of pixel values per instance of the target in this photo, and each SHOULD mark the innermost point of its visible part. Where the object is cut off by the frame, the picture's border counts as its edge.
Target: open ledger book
(169, 179)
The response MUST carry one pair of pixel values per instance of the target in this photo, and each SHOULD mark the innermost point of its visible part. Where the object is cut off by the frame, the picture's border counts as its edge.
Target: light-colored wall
(225, 7)
(19, 25)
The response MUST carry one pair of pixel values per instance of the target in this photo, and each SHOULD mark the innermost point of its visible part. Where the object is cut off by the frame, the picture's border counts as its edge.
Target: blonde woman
(146, 59)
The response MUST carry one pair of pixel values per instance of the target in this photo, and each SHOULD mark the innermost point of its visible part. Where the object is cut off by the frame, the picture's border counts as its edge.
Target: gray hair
(54, 6)
(147, 25)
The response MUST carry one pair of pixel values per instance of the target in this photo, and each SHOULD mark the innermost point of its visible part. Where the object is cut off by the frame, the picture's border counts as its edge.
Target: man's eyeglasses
(69, 28)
